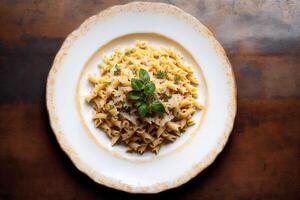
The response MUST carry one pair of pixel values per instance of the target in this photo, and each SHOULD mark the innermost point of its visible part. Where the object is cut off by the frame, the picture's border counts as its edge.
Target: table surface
(262, 157)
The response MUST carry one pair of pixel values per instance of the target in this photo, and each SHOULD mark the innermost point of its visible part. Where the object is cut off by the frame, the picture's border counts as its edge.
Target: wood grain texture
(262, 157)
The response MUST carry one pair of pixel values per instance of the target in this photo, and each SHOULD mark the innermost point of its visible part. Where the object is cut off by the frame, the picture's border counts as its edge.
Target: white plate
(89, 148)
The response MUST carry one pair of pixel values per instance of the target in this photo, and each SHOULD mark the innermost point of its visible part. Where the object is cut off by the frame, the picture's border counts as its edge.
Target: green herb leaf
(157, 106)
(144, 76)
(139, 103)
(111, 107)
(117, 71)
(191, 124)
(125, 107)
(143, 109)
(161, 74)
(165, 97)
(149, 88)
(134, 95)
(134, 72)
(142, 95)
(137, 84)
(176, 78)
(109, 115)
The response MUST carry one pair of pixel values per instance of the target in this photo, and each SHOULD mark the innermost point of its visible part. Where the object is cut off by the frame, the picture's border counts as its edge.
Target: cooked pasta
(171, 89)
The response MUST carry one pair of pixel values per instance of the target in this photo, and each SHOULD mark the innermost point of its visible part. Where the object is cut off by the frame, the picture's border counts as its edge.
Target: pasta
(170, 87)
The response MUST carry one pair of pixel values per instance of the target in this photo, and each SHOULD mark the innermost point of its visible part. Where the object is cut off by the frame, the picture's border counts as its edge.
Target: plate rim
(96, 176)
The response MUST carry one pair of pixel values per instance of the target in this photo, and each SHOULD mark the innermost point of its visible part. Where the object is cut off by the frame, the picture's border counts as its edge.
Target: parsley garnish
(109, 115)
(165, 97)
(176, 78)
(125, 107)
(117, 71)
(191, 123)
(161, 74)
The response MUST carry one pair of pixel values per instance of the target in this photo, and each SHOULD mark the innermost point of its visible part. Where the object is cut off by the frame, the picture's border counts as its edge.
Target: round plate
(89, 148)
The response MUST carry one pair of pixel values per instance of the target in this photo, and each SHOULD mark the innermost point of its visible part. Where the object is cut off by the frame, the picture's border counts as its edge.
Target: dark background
(262, 157)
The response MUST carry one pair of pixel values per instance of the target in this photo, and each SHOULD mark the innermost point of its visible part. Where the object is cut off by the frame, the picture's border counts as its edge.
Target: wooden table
(262, 157)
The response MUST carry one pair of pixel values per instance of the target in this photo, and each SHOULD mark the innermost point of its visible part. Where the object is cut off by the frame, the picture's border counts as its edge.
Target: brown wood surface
(262, 157)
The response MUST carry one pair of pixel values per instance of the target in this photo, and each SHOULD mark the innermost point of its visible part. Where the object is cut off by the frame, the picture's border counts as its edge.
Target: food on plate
(143, 97)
